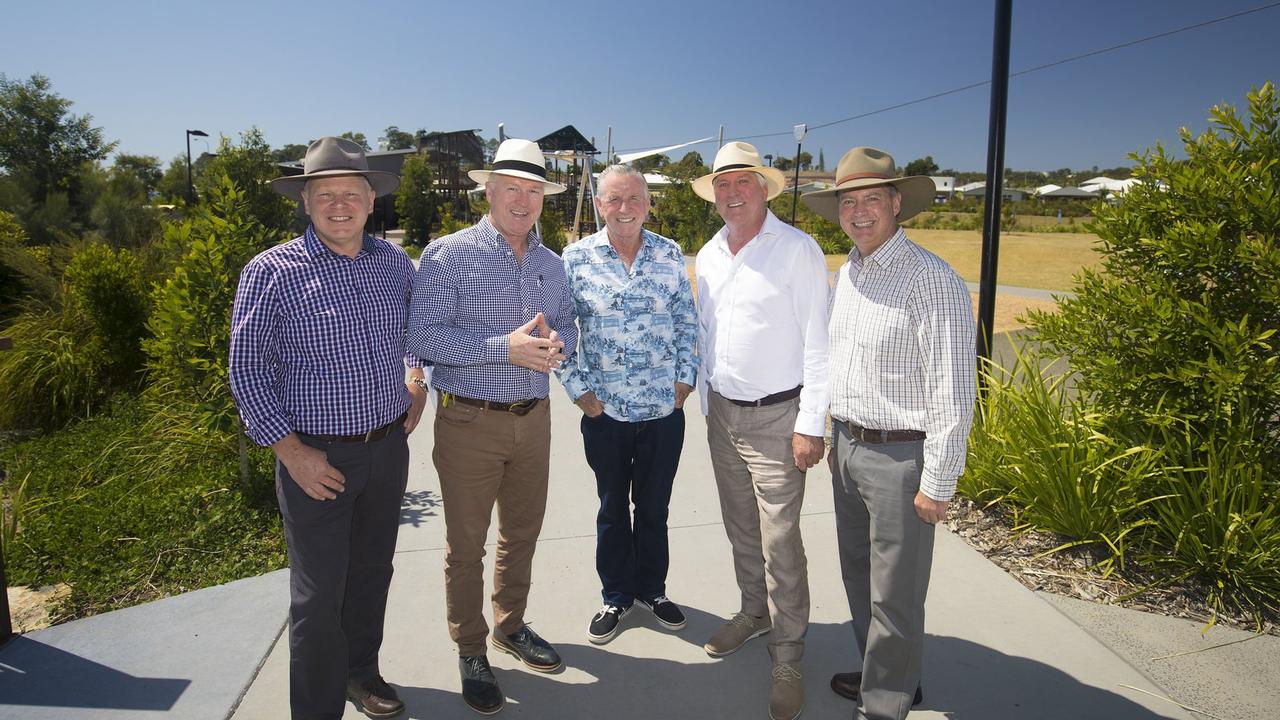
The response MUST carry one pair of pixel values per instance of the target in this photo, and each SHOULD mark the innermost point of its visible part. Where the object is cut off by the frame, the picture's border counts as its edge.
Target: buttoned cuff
(497, 349)
(268, 432)
(937, 488)
(811, 423)
(688, 375)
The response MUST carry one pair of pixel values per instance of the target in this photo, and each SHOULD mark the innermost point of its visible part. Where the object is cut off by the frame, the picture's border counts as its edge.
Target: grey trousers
(761, 492)
(886, 552)
(340, 554)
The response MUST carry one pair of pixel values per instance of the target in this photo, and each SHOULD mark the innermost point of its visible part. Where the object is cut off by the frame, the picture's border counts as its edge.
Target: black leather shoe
(525, 645)
(479, 687)
(849, 685)
(374, 697)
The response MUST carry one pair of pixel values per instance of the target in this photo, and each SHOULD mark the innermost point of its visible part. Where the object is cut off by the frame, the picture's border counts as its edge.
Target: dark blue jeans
(634, 462)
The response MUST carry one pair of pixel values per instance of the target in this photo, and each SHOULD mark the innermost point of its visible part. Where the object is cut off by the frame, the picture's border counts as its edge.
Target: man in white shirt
(902, 393)
(762, 339)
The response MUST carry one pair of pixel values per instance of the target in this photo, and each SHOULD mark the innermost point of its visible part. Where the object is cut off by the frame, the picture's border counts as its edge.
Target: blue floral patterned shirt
(637, 330)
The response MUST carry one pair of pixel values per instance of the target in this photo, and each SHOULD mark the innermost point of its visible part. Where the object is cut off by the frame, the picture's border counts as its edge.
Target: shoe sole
(482, 711)
(662, 622)
(793, 717)
(503, 647)
(731, 651)
(361, 709)
(603, 639)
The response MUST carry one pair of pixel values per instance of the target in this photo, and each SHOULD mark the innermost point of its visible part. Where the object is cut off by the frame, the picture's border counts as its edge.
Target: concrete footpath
(995, 649)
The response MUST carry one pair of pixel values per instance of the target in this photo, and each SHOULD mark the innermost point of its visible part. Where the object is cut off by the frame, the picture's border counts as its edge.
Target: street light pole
(799, 131)
(191, 188)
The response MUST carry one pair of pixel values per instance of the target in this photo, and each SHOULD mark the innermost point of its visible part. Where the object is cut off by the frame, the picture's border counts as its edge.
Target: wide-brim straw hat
(522, 159)
(867, 167)
(737, 157)
(335, 157)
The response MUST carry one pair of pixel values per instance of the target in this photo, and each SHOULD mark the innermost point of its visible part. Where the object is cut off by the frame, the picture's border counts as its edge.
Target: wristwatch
(421, 382)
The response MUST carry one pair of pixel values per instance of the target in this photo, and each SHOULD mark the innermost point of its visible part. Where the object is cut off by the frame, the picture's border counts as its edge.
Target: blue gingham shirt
(318, 339)
(470, 293)
(639, 329)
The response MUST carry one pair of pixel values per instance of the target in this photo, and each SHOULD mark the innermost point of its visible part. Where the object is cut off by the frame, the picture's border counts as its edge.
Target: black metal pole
(795, 190)
(6, 624)
(995, 179)
(191, 188)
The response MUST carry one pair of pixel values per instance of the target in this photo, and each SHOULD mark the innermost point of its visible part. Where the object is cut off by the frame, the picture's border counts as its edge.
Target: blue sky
(659, 72)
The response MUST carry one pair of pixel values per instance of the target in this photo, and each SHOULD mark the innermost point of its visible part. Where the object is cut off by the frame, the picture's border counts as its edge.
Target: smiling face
(623, 201)
(514, 205)
(869, 216)
(338, 207)
(741, 198)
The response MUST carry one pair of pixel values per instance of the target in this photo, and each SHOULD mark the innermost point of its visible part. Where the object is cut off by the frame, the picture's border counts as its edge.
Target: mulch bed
(1073, 573)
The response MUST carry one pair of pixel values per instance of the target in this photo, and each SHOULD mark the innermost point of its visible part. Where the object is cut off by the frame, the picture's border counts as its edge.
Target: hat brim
(291, 186)
(916, 191)
(548, 187)
(704, 186)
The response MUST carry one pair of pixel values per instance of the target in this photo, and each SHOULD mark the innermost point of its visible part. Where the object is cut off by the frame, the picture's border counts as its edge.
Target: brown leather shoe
(374, 697)
(849, 685)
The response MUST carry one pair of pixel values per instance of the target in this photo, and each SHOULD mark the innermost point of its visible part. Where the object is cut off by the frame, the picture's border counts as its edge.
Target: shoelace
(478, 668)
(786, 672)
(743, 620)
(609, 610)
(658, 601)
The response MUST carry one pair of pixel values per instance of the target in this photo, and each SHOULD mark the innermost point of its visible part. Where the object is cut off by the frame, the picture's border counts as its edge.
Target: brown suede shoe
(849, 685)
(374, 697)
(786, 693)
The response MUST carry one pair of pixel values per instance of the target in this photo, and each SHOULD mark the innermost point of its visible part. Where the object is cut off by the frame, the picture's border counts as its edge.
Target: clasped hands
(539, 352)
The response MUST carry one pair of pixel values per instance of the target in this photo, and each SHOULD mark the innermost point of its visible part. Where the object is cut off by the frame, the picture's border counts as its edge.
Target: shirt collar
(317, 249)
(886, 253)
(769, 228)
(491, 234)
(600, 241)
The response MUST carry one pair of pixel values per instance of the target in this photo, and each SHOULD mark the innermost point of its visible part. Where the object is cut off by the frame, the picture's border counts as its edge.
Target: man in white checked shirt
(762, 339)
(902, 383)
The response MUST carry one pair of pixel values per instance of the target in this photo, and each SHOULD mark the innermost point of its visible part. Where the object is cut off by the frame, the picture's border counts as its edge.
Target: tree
(1179, 324)
(290, 153)
(922, 166)
(144, 168)
(41, 142)
(416, 201)
(357, 138)
(782, 163)
(684, 217)
(250, 166)
(397, 139)
(822, 161)
(651, 163)
(806, 159)
(689, 168)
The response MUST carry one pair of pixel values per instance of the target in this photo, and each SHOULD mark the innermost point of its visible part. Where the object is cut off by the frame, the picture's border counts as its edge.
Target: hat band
(736, 166)
(859, 176)
(539, 170)
(338, 168)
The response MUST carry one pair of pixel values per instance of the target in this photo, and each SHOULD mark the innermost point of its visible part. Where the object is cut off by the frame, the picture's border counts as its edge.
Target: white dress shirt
(762, 319)
(902, 353)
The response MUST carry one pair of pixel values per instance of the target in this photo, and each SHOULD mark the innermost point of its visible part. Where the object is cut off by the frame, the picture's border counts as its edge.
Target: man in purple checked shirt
(320, 374)
(492, 312)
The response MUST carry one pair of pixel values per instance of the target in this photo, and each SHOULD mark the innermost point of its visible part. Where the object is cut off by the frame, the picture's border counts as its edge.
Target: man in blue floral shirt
(634, 367)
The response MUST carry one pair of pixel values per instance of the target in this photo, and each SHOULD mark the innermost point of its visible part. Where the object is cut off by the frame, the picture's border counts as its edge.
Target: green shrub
(118, 539)
(417, 205)
(46, 379)
(105, 288)
(1180, 320)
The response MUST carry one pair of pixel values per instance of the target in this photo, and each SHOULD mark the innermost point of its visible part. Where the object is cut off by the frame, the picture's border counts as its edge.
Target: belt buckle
(521, 408)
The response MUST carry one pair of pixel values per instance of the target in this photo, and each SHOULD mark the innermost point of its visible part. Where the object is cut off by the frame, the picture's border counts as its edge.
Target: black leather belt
(768, 400)
(869, 435)
(372, 435)
(519, 407)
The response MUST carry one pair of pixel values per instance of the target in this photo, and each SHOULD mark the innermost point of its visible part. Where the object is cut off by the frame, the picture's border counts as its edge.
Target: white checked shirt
(902, 353)
(762, 319)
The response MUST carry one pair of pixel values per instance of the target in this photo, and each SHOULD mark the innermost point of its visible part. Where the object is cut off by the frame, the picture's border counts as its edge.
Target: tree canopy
(41, 141)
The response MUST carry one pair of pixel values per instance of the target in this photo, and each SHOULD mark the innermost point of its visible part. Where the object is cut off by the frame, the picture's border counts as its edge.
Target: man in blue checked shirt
(319, 373)
(491, 311)
(635, 366)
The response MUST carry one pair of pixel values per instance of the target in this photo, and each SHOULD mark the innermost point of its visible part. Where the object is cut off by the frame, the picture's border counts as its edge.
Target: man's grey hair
(624, 171)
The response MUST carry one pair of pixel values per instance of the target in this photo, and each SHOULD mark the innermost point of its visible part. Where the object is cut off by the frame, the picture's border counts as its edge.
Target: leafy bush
(250, 166)
(417, 205)
(1180, 319)
(105, 289)
(45, 375)
(118, 539)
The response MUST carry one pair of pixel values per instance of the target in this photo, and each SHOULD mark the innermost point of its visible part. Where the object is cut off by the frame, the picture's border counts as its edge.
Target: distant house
(1047, 189)
(979, 190)
(944, 188)
(1107, 185)
(1071, 193)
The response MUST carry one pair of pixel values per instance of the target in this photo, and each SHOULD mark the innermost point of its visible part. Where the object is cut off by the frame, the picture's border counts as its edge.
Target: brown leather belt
(519, 407)
(869, 435)
(768, 400)
(372, 435)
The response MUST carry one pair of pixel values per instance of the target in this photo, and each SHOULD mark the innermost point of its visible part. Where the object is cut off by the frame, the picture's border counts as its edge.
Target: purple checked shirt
(318, 339)
(469, 294)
